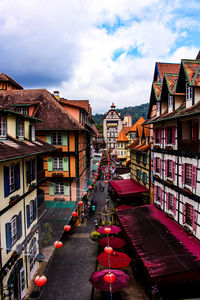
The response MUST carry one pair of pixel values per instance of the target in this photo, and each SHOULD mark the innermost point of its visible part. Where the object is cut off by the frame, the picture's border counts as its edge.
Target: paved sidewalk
(72, 265)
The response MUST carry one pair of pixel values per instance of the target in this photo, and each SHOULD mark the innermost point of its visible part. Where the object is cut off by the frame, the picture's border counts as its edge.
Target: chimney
(56, 94)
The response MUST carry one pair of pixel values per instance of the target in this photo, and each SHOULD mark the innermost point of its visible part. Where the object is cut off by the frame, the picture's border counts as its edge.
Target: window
(188, 174)
(171, 202)
(22, 110)
(138, 174)
(32, 253)
(108, 134)
(121, 145)
(157, 165)
(14, 230)
(58, 164)
(138, 156)
(170, 100)
(2, 126)
(169, 165)
(189, 92)
(144, 159)
(59, 188)
(144, 177)
(20, 128)
(30, 170)
(159, 194)
(56, 138)
(169, 135)
(31, 211)
(158, 107)
(121, 153)
(115, 134)
(189, 214)
(157, 135)
(111, 134)
(12, 178)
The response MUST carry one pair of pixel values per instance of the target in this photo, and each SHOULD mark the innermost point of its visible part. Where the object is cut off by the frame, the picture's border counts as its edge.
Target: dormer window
(158, 108)
(2, 126)
(189, 92)
(22, 110)
(20, 128)
(170, 100)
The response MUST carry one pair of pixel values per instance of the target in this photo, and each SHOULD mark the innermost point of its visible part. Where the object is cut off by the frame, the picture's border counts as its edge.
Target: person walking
(82, 216)
(96, 224)
(93, 209)
(90, 209)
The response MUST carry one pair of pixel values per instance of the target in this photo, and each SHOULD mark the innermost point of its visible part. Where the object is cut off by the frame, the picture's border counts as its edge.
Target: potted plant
(13, 199)
(31, 186)
(169, 181)
(187, 190)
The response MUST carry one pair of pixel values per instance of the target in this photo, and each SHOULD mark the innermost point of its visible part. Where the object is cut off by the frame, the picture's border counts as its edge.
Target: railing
(189, 145)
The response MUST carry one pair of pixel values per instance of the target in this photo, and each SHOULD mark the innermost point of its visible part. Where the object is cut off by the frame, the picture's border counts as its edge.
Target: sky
(101, 50)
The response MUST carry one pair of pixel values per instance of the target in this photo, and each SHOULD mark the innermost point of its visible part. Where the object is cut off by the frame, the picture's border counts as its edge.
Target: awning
(167, 252)
(127, 187)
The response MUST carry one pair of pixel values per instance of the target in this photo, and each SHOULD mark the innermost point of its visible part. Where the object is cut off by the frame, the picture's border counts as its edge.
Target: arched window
(32, 253)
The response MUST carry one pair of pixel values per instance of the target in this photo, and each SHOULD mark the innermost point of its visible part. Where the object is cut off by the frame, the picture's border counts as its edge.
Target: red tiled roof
(143, 147)
(136, 142)
(192, 71)
(127, 187)
(174, 257)
(157, 87)
(122, 135)
(49, 110)
(171, 80)
(167, 68)
(6, 78)
(140, 121)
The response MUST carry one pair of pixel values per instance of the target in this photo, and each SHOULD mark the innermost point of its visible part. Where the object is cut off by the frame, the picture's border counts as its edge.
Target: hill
(134, 111)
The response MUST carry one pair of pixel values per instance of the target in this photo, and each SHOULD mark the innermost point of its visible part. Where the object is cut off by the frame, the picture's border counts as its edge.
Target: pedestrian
(82, 216)
(93, 209)
(96, 224)
(92, 201)
(90, 210)
(107, 202)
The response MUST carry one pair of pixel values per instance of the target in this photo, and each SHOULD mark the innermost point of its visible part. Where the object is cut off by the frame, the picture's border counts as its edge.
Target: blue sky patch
(117, 54)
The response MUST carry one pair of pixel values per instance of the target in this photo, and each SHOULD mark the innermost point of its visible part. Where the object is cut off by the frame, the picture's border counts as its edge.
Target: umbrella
(124, 206)
(113, 242)
(114, 229)
(121, 280)
(117, 259)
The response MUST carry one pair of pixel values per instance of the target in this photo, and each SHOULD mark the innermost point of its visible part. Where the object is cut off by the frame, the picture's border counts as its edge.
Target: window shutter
(161, 196)
(193, 219)
(160, 165)
(183, 173)
(184, 213)
(65, 163)
(34, 168)
(154, 135)
(160, 135)
(64, 139)
(17, 128)
(8, 237)
(50, 164)
(51, 189)
(173, 134)
(28, 215)
(48, 138)
(194, 176)
(6, 182)
(155, 194)
(27, 171)
(19, 219)
(166, 136)
(167, 201)
(166, 167)
(17, 178)
(173, 169)
(154, 163)
(174, 205)
(34, 209)
(66, 189)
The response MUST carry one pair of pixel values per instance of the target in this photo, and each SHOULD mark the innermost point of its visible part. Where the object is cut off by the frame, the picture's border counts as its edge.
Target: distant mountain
(134, 111)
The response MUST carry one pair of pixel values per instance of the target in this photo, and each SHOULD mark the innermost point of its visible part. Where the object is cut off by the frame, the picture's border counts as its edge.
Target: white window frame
(158, 107)
(32, 255)
(57, 139)
(20, 128)
(59, 188)
(33, 132)
(189, 92)
(13, 229)
(22, 110)
(170, 100)
(12, 178)
(3, 126)
(22, 283)
(57, 164)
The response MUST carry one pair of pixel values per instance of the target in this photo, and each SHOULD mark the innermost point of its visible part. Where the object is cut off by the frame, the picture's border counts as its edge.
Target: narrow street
(72, 265)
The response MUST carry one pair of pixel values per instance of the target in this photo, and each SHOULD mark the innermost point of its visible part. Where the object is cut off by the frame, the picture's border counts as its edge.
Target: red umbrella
(124, 206)
(114, 229)
(113, 242)
(117, 259)
(121, 280)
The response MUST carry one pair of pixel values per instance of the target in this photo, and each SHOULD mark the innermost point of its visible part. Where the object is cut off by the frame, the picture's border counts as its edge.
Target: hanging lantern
(105, 182)
(40, 280)
(74, 214)
(80, 203)
(58, 244)
(107, 230)
(67, 227)
(107, 177)
(94, 181)
(109, 277)
(108, 250)
(85, 194)
(96, 177)
(90, 187)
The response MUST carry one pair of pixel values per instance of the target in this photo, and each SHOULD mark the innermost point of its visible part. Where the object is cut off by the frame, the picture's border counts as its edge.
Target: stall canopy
(167, 252)
(127, 187)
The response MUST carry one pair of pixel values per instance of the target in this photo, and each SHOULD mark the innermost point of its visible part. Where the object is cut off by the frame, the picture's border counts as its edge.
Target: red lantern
(58, 244)
(109, 277)
(108, 250)
(67, 227)
(96, 177)
(107, 230)
(85, 194)
(80, 203)
(105, 182)
(94, 181)
(107, 177)
(90, 187)
(74, 214)
(40, 280)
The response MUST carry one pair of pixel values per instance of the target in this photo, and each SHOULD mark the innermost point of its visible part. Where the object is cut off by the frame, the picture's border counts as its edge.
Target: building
(122, 142)
(8, 84)
(112, 125)
(19, 149)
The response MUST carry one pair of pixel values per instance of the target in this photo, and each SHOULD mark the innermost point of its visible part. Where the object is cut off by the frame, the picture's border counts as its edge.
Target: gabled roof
(6, 78)
(192, 71)
(142, 147)
(49, 110)
(140, 130)
(122, 135)
(140, 121)
(157, 88)
(162, 68)
(115, 112)
(171, 81)
(131, 146)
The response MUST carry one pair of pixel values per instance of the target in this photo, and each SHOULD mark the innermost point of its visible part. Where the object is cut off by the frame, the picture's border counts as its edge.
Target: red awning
(168, 253)
(127, 187)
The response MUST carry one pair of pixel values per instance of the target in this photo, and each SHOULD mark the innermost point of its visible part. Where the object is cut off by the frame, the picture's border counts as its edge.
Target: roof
(131, 146)
(140, 121)
(171, 80)
(6, 78)
(47, 108)
(141, 147)
(192, 71)
(122, 135)
(162, 68)
(146, 130)
(115, 112)
(140, 130)
(175, 256)
(12, 148)
(127, 187)
(157, 88)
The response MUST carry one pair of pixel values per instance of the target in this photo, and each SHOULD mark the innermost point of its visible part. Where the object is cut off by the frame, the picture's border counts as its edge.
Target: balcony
(189, 145)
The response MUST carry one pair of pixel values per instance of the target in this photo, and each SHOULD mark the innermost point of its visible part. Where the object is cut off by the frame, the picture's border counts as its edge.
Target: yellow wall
(11, 126)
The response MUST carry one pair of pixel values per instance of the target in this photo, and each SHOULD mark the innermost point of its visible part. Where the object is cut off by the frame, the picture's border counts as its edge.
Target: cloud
(103, 51)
